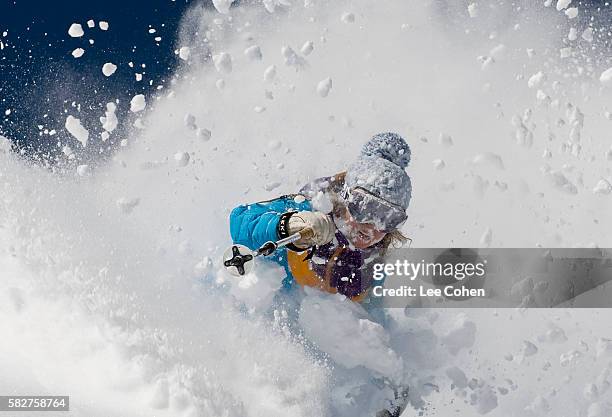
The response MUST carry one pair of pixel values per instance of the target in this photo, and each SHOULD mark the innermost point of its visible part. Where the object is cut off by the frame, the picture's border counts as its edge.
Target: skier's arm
(253, 225)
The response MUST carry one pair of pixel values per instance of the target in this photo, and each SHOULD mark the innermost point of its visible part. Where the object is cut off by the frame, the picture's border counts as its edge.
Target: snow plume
(113, 291)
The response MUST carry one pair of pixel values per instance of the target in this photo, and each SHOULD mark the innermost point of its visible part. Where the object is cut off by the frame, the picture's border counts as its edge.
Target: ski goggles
(366, 207)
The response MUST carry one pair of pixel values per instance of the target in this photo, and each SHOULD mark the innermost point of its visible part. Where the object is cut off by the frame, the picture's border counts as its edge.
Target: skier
(352, 218)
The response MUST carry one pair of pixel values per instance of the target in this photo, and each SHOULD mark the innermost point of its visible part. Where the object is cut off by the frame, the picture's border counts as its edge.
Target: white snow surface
(113, 291)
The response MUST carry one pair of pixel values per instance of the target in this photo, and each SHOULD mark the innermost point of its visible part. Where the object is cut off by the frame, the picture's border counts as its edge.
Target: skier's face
(362, 235)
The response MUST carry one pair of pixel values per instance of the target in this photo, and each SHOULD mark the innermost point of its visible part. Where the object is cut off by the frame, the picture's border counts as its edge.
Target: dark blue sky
(39, 76)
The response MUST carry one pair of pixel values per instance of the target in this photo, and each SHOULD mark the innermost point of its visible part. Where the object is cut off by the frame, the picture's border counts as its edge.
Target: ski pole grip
(304, 233)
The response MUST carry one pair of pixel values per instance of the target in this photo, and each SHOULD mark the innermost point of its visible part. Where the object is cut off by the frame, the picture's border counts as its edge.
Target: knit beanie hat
(380, 169)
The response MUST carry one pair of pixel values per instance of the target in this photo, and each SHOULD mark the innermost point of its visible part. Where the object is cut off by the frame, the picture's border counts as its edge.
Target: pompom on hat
(389, 146)
(380, 169)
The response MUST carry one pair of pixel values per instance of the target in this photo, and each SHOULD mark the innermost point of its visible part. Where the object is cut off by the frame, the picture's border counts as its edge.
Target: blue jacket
(252, 225)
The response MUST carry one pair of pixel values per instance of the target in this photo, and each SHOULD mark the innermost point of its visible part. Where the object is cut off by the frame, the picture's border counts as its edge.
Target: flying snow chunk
(324, 86)
(292, 59)
(473, 10)
(606, 78)
(570, 358)
(76, 30)
(489, 158)
(223, 62)
(126, 205)
(560, 181)
(484, 399)
(603, 187)
(572, 12)
(270, 73)
(109, 69)
(587, 35)
(181, 159)
(223, 6)
(91, 23)
(253, 53)
(271, 5)
(203, 133)
(103, 25)
(190, 121)
(109, 120)
(485, 62)
(138, 103)
(322, 202)
(66, 150)
(348, 17)
(307, 48)
(536, 79)
(543, 98)
(272, 185)
(554, 335)
(486, 238)
(184, 53)
(438, 164)
(562, 4)
(83, 170)
(77, 53)
(529, 349)
(74, 127)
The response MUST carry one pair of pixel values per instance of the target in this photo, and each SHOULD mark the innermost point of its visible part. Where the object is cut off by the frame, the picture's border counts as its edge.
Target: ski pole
(239, 259)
